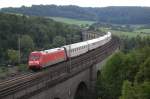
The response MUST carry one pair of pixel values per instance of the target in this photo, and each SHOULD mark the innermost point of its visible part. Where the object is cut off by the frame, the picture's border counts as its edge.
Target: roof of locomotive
(49, 50)
(52, 50)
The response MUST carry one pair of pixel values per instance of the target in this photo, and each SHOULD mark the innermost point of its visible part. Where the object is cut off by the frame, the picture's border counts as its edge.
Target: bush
(22, 68)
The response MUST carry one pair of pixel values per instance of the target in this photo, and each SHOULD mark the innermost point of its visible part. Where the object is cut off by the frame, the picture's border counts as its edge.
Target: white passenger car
(95, 43)
(76, 49)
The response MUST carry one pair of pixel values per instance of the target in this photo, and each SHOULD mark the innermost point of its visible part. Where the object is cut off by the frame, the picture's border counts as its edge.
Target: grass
(129, 34)
(22, 68)
(72, 21)
(3, 72)
(144, 30)
(8, 71)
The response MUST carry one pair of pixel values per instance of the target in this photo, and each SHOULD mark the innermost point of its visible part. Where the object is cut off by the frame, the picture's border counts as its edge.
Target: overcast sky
(83, 3)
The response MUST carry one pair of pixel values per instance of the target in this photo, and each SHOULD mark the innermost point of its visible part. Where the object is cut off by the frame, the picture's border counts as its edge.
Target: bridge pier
(92, 83)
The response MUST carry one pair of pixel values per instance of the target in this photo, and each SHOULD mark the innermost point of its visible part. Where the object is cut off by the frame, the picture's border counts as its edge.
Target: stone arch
(81, 91)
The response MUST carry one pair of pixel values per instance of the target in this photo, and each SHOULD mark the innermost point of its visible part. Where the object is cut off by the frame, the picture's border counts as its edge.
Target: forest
(117, 15)
(32, 33)
(126, 75)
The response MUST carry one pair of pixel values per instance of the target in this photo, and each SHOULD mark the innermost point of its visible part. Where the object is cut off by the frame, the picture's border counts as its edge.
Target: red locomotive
(41, 59)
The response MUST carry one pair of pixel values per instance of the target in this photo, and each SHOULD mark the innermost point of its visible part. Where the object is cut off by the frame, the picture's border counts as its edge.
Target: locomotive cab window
(34, 57)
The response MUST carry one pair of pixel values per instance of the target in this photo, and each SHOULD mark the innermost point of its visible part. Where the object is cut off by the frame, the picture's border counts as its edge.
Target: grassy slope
(72, 21)
(143, 30)
(129, 34)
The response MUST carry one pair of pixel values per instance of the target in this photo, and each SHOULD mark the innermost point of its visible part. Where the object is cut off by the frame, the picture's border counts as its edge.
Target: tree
(59, 41)
(76, 38)
(139, 88)
(27, 46)
(13, 56)
(112, 76)
(132, 68)
(144, 72)
(26, 42)
(128, 91)
(135, 91)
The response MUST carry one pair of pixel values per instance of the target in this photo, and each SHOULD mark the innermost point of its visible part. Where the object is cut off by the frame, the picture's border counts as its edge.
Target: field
(72, 21)
(140, 32)
(129, 34)
(143, 30)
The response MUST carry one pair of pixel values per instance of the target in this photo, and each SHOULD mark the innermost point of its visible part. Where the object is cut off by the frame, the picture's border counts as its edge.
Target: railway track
(2, 83)
(14, 85)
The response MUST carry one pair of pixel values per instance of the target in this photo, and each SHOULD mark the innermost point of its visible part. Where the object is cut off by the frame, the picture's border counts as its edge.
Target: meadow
(72, 21)
(134, 33)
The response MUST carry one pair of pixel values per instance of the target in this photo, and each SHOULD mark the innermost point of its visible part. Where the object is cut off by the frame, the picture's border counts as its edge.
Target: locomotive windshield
(34, 57)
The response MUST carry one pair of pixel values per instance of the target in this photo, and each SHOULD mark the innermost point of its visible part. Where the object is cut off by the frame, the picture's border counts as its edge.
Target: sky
(82, 3)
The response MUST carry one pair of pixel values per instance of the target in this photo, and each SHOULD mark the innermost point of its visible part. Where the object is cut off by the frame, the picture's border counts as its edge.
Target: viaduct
(74, 79)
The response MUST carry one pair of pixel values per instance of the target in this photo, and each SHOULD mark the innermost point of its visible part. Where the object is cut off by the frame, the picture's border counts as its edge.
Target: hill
(117, 15)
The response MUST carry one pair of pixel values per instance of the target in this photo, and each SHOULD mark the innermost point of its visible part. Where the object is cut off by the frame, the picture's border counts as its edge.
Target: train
(46, 58)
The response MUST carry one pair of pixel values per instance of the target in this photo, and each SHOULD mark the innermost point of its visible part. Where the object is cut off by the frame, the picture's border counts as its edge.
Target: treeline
(32, 33)
(126, 75)
(118, 15)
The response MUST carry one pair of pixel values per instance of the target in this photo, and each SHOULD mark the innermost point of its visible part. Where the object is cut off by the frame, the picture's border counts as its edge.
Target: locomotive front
(35, 60)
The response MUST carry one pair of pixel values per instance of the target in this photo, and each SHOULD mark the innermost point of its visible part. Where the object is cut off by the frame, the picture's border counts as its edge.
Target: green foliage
(136, 91)
(35, 33)
(140, 88)
(3, 69)
(59, 41)
(76, 38)
(130, 70)
(144, 72)
(26, 45)
(114, 73)
(22, 67)
(26, 42)
(128, 92)
(13, 56)
(3, 72)
(128, 44)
